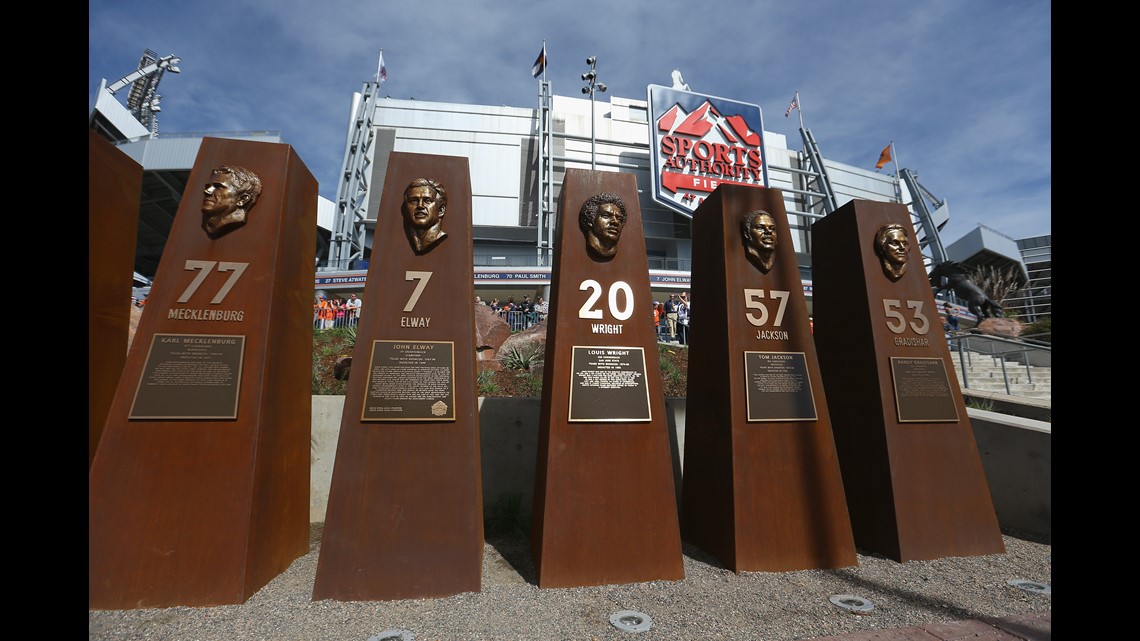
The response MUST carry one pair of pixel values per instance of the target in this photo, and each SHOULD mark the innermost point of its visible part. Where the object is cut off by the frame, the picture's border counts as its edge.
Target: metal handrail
(1002, 348)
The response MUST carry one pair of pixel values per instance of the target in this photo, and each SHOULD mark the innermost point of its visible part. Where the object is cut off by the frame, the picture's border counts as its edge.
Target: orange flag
(884, 157)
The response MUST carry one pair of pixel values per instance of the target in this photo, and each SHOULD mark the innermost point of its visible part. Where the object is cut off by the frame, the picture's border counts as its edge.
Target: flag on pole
(539, 62)
(795, 104)
(884, 157)
(381, 70)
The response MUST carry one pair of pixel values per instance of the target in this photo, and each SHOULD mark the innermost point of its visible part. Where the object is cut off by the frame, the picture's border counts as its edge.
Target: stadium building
(517, 158)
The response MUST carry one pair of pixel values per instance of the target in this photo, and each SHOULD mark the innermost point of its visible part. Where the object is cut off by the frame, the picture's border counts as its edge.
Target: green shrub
(669, 371)
(328, 346)
(530, 383)
(983, 404)
(486, 381)
(327, 386)
(525, 358)
(1040, 330)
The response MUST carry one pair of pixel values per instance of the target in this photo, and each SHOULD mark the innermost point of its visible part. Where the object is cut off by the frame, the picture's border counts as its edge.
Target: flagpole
(379, 64)
(544, 60)
(800, 108)
(895, 158)
(898, 178)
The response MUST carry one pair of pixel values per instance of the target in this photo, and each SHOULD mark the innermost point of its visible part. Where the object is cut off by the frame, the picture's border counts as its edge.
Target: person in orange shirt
(325, 313)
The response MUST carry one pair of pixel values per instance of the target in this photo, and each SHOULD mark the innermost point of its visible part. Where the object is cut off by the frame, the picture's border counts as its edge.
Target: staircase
(985, 373)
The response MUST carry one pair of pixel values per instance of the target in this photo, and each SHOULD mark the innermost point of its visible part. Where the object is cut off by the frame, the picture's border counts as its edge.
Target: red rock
(1001, 327)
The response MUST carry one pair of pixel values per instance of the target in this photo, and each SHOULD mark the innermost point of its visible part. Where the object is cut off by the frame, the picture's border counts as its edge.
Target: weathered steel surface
(405, 511)
(605, 507)
(759, 495)
(114, 184)
(915, 490)
(205, 512)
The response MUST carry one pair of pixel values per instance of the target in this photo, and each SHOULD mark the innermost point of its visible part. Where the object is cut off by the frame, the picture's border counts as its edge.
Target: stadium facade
(517, 157)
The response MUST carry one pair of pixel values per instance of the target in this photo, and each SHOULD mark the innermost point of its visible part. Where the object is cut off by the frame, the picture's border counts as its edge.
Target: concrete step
(1031, 390)
(997, 365)
(986, 373)
(1016, 393)
(976, 360)
(1017, 386)
(1031, 376)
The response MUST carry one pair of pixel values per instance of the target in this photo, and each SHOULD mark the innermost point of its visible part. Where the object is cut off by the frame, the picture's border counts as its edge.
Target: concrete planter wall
(1015, 453)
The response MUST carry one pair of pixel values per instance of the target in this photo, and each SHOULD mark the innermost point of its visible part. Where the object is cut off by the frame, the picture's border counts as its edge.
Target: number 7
(423, 278)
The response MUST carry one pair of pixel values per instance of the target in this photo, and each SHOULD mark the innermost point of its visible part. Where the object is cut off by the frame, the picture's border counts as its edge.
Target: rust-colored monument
(762, 489)
(405, 509)
(199, 491)
(114, 184)
(605, 506)
(915, 485)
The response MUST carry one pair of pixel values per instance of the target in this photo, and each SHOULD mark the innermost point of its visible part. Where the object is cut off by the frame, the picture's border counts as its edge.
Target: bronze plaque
(922, 390)
(778, 387)
(607, 384)
(190, 376)
(410, 381)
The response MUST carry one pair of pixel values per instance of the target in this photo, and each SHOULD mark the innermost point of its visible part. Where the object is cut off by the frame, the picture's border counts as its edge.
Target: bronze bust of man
(228, 197)
(425, 203)
(892, 247)
(759, 231)
(602, 219)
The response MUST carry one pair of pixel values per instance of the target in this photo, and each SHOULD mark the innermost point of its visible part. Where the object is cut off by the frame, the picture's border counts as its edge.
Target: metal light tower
(143, 99)
(592, 77)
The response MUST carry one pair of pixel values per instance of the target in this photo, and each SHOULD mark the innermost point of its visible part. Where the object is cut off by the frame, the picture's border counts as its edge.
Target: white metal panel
(177, 152)
(454, 117)
(118, 115)
(499, 212)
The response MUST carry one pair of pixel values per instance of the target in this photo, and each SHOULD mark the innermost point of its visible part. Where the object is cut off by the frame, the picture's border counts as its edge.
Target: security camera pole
(592, 77)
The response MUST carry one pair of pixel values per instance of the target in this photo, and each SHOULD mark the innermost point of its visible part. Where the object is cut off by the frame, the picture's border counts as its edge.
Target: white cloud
(963, 88)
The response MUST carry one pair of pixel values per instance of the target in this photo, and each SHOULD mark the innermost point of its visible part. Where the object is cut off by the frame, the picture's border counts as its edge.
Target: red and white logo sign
(700, 142)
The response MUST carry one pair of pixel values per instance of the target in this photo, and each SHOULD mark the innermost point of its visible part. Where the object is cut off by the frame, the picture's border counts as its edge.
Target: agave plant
(526, 357)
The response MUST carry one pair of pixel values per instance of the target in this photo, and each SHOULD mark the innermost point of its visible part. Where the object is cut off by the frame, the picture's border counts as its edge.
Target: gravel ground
(710, 603)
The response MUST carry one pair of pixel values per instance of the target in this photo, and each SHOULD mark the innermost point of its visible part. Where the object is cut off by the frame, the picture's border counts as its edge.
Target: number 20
(595, 288)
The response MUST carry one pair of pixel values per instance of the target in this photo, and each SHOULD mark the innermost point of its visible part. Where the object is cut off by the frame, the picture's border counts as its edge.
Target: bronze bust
(229, 195)
(602, 219)
(892, 247)
(759, 231)
(425, 203)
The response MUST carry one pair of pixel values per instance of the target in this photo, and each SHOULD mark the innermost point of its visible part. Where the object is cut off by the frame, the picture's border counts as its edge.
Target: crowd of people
(670, 318)
(329, 313)
(519, 314)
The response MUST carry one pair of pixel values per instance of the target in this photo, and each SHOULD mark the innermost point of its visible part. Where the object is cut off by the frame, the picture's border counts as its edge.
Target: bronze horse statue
(952, 275)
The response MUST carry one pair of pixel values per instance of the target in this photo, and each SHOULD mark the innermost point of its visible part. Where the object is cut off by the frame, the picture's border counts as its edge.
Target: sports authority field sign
(700, 142)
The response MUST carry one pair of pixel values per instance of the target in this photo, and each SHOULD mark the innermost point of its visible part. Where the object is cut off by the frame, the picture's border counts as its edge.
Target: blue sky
(962, 87)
